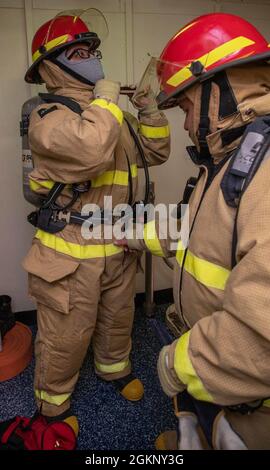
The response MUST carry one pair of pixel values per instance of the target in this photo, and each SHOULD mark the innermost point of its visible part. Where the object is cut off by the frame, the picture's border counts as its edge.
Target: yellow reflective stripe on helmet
(151, 239)
(207, 273)
(50, 45)
(75, 250)
(186, 372)
(154, 132)
(113, 108)
(53, 399)
(210, 58)
(111, 368)
(36, 185)
(117, 177)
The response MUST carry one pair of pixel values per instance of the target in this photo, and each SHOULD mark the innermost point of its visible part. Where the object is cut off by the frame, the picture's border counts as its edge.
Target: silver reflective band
(247, 153)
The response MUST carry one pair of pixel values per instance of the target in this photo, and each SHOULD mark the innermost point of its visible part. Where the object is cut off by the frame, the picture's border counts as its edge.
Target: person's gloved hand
(188, 435)
(108, 90)
(168, 378)
(145, 102)
(224, 437)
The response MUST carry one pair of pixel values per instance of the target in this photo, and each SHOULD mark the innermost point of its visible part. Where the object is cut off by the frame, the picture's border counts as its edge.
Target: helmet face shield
(161, 78)
(173, 78)
(66, 28)
(92, 18)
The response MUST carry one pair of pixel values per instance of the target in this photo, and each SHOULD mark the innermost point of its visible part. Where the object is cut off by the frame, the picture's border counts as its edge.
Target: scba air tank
(27, 159)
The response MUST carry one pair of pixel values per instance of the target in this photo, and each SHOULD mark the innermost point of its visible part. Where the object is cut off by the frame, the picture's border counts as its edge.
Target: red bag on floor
(36, 434)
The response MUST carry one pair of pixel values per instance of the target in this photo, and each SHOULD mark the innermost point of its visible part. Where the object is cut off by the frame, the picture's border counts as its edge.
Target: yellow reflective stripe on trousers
(36, 185)
(118, 177)
(210, 58)
(186, 372)
(154, 132)
(111, 368)
(151, 239)
(113, 108)
(75, 250)
(208, 274)
(52, 399)
(50, 44)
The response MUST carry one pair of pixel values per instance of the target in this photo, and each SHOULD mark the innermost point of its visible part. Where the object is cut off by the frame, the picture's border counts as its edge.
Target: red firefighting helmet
(58, 33)
(205, 46)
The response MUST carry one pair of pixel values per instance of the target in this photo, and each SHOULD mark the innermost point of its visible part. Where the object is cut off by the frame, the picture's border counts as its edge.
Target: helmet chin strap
(227, 107)
(228, 103)
(204, 125)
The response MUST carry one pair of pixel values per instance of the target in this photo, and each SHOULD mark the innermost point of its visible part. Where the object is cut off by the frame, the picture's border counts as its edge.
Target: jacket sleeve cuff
(186, 372)
(138, 245)
(146, 239)
(157, 118)
(151, 239)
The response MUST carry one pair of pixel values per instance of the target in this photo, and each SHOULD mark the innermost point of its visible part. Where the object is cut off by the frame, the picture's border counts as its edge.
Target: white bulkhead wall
(137, 28)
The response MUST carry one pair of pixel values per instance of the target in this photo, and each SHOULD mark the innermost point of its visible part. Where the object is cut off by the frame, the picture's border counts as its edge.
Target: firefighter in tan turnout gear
(215, 69)
(84, 287)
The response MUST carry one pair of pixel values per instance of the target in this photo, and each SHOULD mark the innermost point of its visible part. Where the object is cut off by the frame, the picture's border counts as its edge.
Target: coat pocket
(50, 277)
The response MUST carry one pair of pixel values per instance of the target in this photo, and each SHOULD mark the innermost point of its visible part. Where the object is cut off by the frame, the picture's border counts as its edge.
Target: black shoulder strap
(69, 102)
(243, 166)
(144, 162)
(43, 218)
(189, 188)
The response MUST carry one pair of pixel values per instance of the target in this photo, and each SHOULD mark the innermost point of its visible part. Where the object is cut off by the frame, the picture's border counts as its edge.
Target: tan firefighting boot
(66, 417)
(167, 440)
(129, 387)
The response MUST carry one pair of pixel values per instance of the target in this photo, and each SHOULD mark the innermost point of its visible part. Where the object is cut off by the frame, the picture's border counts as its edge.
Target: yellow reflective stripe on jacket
(117, 177)
(186, 372)
(53, 399)
(109, 178)
(154, 132)
(113, 108)
(111, 368)
(207, 273)
(50, 44)
(151, 239)
(210, 58)
(36, 185)
(75, 250)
